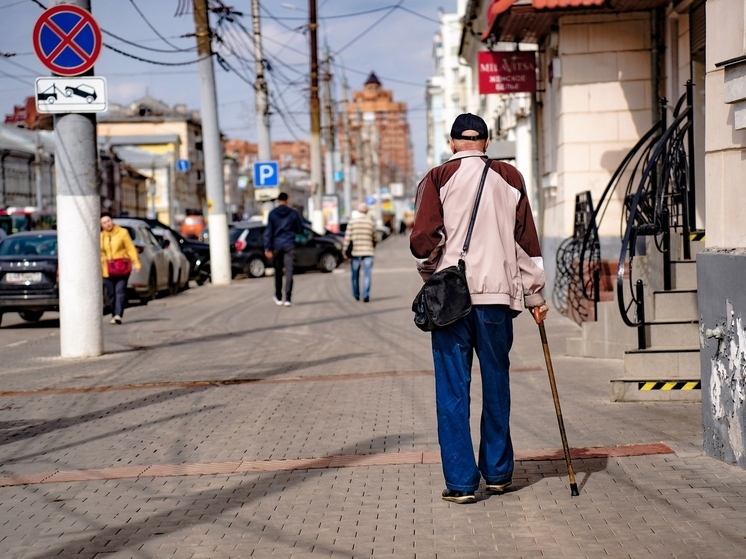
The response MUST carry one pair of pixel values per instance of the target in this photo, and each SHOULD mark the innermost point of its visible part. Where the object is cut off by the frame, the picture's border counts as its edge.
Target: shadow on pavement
(113, 433)
(43, 323)
(30, 429)
(220, 502)
(241, 333)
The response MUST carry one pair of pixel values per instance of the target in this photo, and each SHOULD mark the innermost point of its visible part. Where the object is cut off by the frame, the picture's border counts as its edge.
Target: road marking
(325, 462)
(16, 344)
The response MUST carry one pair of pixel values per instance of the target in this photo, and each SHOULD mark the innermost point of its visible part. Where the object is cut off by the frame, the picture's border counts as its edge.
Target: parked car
(312, 250)
(153, 276)
(178, 262)
(17, 219)
(28, 274)
(192, 226)
(198, 253)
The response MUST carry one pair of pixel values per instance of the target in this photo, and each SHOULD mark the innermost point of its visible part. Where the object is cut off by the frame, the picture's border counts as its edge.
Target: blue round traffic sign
(67, 40)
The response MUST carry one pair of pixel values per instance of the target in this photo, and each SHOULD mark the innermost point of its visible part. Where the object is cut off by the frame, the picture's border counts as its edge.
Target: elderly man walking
(504, 270)
(361, 233)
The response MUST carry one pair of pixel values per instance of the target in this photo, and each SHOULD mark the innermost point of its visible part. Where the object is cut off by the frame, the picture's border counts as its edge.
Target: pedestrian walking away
(361, 234)
(118, 258)
(279, 246)
(504, 270)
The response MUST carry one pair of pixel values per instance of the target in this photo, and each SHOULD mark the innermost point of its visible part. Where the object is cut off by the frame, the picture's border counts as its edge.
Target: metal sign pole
(78, 230)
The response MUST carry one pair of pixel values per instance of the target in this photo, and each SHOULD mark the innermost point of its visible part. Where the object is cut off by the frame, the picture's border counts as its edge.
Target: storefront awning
(531, 20)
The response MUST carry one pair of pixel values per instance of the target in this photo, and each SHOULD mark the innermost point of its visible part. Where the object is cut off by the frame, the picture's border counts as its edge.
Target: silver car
(178, 266)
(153, 275)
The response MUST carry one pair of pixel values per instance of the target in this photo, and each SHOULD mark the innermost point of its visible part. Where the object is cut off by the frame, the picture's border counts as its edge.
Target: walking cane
(550, 371)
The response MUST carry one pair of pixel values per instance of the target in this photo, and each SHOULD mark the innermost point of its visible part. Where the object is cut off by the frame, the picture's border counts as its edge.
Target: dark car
(311, 249)
(28, 274)
(85, 91)
(198, 253)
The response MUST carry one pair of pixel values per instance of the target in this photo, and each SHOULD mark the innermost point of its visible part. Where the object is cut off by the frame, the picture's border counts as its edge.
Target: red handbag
(119, 267)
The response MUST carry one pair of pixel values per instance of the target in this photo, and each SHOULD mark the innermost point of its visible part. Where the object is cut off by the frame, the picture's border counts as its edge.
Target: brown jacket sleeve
(428, 229)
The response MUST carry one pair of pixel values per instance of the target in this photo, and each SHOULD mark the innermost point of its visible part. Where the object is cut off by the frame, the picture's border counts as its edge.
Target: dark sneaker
(499, 487)
(366, 300)
(460, 497)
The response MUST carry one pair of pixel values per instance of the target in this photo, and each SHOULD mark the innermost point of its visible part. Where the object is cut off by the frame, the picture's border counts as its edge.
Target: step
(629, 390)
(684, 274)
(665, 363)
(679, 304)
(679, 334)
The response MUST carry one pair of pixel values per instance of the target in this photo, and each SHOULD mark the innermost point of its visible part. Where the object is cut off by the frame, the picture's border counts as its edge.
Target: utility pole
(78, 230)
(330, 186)
(39, 157)
(346, 156)
(220, 258)
(317, 179)
(260, 86)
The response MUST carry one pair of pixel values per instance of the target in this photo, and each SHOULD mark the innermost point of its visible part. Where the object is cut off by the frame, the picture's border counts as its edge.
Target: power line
(370, 27)
(140, 46)
(157, 62)
(145, 19)
(16, 78)
(341, 16)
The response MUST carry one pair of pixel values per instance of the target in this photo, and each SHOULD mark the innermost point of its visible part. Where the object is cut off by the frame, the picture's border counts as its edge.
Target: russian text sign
(507, 72)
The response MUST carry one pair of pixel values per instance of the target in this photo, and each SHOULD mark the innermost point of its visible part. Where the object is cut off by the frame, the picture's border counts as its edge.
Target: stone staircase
(669, 368)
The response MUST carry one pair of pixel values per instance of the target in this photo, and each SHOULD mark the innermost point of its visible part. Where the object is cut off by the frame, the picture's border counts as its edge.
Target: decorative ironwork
(659, 205)
(657, 175)
(569, 293)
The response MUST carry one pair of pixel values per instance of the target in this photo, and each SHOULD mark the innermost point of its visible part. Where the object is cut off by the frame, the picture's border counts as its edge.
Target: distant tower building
(381, 121)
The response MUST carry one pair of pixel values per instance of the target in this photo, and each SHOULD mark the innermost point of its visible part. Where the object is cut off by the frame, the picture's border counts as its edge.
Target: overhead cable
(145, 19)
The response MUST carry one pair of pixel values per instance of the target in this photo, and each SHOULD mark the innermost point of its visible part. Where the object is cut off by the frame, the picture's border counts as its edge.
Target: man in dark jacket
(279, 245)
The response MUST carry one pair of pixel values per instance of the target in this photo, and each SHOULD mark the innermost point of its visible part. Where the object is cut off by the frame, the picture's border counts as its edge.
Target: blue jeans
(488, 330)
(116, 290)
(367, 262)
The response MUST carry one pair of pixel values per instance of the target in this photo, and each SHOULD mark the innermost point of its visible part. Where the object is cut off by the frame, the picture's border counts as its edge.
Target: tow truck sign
(71, 95)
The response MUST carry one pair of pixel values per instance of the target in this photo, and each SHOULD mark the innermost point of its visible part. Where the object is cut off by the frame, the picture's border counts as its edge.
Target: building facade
(381, 144)
(172, 132)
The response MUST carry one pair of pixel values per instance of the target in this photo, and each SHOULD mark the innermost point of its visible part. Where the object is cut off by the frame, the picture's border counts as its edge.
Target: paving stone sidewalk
(221, 380)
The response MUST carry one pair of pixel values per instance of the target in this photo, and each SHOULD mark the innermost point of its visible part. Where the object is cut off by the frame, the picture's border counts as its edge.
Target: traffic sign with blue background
(67, 40)
(183, 165)
(266, 174)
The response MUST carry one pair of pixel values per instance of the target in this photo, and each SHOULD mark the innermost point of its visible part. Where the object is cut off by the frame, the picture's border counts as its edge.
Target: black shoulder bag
(445, 297)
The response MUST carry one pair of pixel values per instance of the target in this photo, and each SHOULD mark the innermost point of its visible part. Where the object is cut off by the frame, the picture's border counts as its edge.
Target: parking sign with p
(266, 174)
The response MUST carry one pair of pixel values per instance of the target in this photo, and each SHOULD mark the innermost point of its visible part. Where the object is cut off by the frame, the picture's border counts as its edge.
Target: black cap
(474, 126)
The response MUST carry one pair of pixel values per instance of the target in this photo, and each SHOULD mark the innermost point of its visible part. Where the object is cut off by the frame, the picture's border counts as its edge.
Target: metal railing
(657, 175)
(570, 293)
(659, 205)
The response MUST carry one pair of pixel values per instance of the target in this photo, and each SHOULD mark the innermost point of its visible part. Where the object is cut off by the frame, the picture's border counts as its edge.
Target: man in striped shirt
(361, 232)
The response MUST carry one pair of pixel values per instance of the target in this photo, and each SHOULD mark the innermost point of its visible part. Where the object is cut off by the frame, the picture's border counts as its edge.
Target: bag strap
(474, 212)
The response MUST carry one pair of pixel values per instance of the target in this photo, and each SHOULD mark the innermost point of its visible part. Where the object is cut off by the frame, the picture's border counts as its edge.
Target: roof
(13, 138)
(530, 21)
(372, 79)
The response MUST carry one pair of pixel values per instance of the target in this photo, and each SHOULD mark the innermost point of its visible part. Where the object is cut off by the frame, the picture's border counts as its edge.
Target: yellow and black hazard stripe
(670, 385)
(697, 236)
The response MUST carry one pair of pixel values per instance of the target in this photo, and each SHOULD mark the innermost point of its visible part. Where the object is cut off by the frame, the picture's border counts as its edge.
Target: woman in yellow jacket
(116, 249)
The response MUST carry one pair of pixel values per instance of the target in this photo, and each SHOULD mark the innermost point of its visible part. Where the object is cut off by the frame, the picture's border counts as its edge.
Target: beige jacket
(504, 264)
(362, 233)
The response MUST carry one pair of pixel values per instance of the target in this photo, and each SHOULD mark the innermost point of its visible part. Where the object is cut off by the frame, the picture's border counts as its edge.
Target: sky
(393, 38)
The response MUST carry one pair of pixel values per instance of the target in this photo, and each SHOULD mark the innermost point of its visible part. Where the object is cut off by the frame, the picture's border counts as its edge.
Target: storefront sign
(507, 72)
